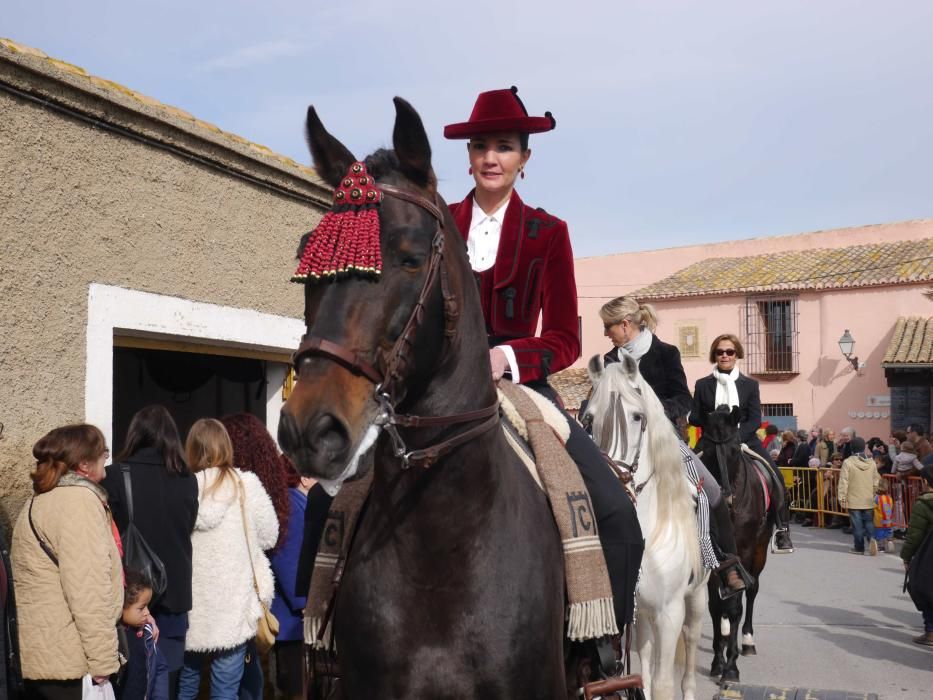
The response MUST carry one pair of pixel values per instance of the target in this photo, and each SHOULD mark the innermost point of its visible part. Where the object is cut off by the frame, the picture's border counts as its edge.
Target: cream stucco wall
(81, 205)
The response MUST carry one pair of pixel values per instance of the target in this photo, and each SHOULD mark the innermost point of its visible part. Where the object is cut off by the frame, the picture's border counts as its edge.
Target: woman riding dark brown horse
(523, 262)
(722, 453)
(454, 587)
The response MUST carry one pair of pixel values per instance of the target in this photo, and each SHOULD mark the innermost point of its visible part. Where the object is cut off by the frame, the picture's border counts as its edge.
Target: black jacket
(165, 507)
(704, 399)
(664, 372)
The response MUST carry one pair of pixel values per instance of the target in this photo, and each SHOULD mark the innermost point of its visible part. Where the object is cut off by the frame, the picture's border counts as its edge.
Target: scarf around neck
(640, 345)
(726, 391)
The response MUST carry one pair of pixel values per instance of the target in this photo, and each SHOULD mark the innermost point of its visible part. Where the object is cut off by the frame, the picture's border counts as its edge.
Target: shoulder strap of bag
(252, 566)
(128, 487)
(45, 547)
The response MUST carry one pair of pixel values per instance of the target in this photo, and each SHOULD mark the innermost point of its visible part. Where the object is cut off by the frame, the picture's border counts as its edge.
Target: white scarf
(638, 347)
(726, 392)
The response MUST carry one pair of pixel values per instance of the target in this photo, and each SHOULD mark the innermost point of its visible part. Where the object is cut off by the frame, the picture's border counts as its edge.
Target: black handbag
(137, 554)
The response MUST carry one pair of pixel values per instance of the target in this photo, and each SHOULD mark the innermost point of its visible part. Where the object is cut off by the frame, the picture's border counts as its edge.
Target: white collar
(479, 216)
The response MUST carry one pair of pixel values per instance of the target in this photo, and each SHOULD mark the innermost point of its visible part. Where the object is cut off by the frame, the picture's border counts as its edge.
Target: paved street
(831, 620)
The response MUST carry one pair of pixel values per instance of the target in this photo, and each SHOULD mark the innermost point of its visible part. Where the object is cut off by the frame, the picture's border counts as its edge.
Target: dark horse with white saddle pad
(454, 586)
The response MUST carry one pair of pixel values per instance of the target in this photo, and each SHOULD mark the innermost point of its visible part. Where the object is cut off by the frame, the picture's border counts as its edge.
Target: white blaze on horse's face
(615, 409)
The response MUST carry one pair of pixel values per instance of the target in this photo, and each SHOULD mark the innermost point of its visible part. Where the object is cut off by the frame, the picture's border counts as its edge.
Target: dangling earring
(470, 171)
(522, 173)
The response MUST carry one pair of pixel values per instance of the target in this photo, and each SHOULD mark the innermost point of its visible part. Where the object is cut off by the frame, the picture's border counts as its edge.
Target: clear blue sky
(678, 122)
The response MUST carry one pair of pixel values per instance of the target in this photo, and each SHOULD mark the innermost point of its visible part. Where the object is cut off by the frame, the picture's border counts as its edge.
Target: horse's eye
(410, 262)
(637, 417)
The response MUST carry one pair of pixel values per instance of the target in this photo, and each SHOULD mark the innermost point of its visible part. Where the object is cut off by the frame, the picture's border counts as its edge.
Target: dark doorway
(189, 385)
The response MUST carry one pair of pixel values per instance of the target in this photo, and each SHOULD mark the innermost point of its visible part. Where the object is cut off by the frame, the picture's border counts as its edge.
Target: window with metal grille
(777, 410)
(771, 335)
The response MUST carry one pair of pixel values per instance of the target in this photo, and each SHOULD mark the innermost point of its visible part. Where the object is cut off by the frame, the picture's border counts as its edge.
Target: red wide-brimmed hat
(499, 110)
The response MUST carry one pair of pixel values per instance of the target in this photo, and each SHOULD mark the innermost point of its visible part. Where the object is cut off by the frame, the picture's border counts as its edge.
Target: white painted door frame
(119, 311)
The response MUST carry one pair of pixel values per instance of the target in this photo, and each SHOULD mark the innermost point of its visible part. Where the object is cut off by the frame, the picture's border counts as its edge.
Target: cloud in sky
(253, 55)
(678, 122)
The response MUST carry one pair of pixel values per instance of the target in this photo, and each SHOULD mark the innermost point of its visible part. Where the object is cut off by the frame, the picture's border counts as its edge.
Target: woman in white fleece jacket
(225, 608)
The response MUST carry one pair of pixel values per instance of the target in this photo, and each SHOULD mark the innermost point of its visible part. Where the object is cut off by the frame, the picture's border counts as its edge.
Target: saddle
(764, 474)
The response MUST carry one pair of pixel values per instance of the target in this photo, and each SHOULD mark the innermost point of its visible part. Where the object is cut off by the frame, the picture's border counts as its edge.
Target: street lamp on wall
(847, 346)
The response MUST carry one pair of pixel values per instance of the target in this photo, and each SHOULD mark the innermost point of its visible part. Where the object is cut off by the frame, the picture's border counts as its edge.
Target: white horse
(629, 424)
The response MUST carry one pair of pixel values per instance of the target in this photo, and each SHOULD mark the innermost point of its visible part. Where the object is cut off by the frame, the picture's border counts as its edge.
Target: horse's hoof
(749, 650)
(715, 670)
(732, 675)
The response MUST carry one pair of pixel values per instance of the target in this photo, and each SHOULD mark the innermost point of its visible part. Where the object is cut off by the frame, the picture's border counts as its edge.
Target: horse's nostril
(328, 434)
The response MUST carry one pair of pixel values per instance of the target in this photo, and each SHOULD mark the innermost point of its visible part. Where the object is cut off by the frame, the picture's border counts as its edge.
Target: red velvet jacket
(532, 277)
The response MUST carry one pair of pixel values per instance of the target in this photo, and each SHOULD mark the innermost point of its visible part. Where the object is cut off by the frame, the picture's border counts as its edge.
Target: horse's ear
(331, 158)
(629, 364)
(736, 415)
(595, 368)
(410, 141)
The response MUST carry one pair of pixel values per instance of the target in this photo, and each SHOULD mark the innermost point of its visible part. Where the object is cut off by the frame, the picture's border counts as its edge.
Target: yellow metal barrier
(815, 490)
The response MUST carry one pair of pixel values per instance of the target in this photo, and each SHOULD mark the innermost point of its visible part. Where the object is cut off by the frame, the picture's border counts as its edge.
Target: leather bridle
(390, 371)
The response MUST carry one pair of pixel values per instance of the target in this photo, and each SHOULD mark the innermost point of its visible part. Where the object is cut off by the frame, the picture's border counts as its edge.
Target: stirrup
(774, 547)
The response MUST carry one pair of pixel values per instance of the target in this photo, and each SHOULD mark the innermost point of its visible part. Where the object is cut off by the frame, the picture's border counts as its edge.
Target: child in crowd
(921, 524)
(906, 463)
(146, 671)
(884, 517)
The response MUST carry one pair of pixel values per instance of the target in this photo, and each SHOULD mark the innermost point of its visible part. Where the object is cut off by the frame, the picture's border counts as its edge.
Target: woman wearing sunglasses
(726, 385)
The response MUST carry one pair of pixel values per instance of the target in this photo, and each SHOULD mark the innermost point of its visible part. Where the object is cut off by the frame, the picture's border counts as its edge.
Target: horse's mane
(674, 500)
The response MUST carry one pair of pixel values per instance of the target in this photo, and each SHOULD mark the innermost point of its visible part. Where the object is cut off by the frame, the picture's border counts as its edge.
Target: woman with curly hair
(254, 451)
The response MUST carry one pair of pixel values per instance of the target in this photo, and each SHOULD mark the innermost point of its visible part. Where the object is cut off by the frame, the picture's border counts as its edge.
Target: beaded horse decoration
(346, 241)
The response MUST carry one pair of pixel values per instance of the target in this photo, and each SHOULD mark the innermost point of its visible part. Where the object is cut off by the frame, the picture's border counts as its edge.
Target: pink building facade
(783, 297)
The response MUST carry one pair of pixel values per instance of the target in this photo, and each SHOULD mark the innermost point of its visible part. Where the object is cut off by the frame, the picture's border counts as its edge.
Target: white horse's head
(616, 409)
(629, 424)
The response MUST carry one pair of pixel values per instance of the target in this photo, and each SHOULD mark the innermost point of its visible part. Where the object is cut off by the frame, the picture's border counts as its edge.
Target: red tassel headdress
(347, 239)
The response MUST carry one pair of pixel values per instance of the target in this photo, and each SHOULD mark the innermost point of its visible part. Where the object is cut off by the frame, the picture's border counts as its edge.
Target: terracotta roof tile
(911, 344)
(572, 385)
(894, 262)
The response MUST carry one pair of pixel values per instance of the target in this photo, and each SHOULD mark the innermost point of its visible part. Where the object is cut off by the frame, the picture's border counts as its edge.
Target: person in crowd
(10, 679)
(906, 463)
(225, 605)
(843, 444)
(876, 446)
(884, 517)
(146, 674)
(727, 386)
(858, 482)
(631, 325)
(255, 451)
(919, 528)
(165, 505)
(287, 606)
(523, 262)
(788, 448)
(829, 439)
(66, 568)
(772, 439)
(801, 456)
(898, 437)
(884, 464)
(817, 446)
(917, 435)
(831, 491)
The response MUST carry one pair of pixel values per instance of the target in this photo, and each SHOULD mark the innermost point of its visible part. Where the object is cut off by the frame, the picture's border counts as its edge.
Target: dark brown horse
(721, 449)
(454, 587)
